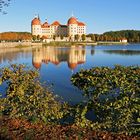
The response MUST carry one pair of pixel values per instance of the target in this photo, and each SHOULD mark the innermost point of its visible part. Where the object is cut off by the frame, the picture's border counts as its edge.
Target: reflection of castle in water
(73, 56)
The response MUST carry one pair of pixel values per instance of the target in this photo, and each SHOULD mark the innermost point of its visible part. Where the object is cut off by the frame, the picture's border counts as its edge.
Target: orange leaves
(15, 36)
(22, 129)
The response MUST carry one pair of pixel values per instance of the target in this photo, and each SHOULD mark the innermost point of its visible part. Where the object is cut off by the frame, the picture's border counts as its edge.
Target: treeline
(15, 36)
(131, 35)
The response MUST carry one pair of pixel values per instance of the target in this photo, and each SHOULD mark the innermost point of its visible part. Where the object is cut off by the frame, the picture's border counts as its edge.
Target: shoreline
(18, 44)
(83, 43)
(55, 43)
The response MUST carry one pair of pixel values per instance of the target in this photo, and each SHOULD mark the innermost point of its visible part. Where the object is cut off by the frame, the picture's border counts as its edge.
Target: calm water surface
(56, 64)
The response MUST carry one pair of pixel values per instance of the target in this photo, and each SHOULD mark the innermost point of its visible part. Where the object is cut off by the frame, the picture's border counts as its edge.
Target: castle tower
(36, 26)
(72, 27)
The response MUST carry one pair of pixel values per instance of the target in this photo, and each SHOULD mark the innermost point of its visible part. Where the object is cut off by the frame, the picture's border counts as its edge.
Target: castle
(72, 28)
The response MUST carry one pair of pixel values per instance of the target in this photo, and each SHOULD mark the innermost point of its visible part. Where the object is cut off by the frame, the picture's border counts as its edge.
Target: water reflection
(56, 64)
(73, 56)
(13, 54)
(123, 52)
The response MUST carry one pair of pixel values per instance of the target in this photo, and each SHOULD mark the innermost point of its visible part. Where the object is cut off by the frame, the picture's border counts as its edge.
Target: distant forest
(133, 36)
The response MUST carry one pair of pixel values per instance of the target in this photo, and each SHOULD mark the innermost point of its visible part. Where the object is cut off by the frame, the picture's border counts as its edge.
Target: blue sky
(99, 15)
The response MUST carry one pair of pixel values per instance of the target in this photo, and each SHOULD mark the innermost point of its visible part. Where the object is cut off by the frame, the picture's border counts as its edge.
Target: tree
(15, 36)
(62, 37)
(34, 37)
(76, 37)
(54, 37)
(93, 37)
(83, 37)
(130, 35)
(38, 37)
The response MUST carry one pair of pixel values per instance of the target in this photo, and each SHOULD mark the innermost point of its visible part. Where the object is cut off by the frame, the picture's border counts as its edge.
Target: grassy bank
(68, 44)
(21, 46)
(83, 43)
(58, 43)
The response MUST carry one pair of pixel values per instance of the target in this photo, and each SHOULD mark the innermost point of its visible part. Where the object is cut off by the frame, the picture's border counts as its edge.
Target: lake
(57, 64)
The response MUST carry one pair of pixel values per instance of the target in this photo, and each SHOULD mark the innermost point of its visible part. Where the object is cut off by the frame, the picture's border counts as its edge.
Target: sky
(99, 15)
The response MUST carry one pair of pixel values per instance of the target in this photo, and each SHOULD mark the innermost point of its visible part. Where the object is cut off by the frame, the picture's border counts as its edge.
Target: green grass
(21, 46)
(57, 43)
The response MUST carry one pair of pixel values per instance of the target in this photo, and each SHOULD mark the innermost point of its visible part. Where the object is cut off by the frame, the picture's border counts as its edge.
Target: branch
(3, 4)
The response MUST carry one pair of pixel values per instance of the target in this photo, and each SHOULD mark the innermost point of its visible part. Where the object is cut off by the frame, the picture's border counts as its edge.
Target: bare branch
(3, 4)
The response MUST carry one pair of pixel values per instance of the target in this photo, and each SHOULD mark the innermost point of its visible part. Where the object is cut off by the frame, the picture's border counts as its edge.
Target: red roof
(46, 24)
(81, 24)
(72, 20)
(55, 23)
(123, 39)
(42, 26)
(36, 21)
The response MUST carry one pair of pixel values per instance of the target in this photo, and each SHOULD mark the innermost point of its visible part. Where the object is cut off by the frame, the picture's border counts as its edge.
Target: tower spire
(35, 15)
(38, 17)
(72, 14)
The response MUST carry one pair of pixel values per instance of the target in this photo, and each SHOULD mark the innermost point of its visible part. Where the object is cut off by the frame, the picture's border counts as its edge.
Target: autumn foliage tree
(15, 36)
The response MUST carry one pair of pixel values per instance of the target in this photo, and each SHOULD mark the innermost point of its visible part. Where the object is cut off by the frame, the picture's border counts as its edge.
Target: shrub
(26, 97)
(113, 94)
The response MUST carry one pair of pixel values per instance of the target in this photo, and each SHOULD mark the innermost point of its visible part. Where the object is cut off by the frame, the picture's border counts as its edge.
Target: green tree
(38, 37)
(34, 37)
(54, 37)
(62, 37)
(76, 37)
(83, 37)
(93, 37)
(131, 35)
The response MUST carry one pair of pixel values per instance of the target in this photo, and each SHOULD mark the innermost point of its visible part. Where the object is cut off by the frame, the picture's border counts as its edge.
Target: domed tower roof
(72, 20)
(36, 21)
(81, 24)
(55, 23)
